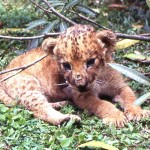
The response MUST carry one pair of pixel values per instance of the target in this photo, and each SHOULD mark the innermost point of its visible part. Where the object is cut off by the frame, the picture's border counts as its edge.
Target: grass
(19, 130)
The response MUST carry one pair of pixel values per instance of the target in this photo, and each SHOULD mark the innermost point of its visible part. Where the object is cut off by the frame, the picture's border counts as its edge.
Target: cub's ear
(107, 39)
(48, 45)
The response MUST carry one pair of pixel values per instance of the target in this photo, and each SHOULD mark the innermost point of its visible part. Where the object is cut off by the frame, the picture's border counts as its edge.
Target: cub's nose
(81, 83)
(78, 77)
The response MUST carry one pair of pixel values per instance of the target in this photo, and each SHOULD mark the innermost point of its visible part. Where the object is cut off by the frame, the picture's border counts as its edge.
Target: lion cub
(75, 69)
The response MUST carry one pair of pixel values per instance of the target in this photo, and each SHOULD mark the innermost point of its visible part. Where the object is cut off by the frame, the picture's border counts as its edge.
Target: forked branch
(20, 69)
(58, 14)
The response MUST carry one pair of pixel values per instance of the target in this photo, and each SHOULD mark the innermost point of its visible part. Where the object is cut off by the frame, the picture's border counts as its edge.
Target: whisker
(62, 84)
(65, 83)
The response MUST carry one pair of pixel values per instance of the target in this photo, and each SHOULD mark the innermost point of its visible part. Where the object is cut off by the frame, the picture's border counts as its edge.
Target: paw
(136, 113)
(75, 118)
(117, 119)
(66, 118)
(58, 105)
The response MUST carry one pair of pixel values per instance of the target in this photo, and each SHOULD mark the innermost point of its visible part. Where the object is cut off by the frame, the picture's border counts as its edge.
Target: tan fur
(76, 68)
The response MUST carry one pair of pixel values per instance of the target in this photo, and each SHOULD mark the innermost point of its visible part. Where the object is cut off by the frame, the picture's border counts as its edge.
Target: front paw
(118, 119)
(65, 118)
(136, 113)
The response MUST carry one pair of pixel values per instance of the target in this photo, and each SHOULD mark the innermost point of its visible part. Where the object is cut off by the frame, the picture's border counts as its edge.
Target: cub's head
(81, 51)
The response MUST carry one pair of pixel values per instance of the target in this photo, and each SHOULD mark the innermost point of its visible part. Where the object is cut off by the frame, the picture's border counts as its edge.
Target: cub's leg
(29, 93)
(103, 109)
(127, 98)
(7, 100)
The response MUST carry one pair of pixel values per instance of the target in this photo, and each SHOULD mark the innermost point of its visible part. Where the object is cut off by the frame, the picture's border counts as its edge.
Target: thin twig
(58, 14)
(45, 10)
(29, 38)
(145, 61)
(145, 34)
(7, 77)
(89, 20)
(20, 68)
(147, 73)
(119, 35)
(136, 37)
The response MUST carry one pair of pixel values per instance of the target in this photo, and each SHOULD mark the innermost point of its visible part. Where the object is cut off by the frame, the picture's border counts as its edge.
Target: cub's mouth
(82, 88)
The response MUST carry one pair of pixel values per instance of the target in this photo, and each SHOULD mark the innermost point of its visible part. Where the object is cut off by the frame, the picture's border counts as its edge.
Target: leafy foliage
(131, 73)
(14, 16)
(53, 23)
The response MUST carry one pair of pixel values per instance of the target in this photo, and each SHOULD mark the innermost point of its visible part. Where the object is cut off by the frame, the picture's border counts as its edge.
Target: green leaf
(3, 108)
(131, 73)
(35, 23)
(2, 117)
(130, 127)
(49, 27)
(148, 3)
(33, 44)
(70, 123)
(142, 99)
(86, 10)
(66, 142)
(57, 3)
(98, 144)
(71, 4)
(63, 26)
(138, 57)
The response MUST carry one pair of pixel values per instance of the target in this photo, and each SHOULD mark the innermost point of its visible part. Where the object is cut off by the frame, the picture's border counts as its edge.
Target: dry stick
(20, 68)
(45, 10)
(58, 14)
(119, 35)
(7, 77)
(145, 34)
(147, 73)
(29, 38)
(136, 37)
(89, 20)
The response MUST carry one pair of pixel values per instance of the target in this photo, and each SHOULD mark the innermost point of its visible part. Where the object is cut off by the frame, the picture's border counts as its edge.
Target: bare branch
(20, 68)
(45, 10)
(29, 38)
(136, 37)
(58, 14)
(7, 77)
(119, 35)
(89, 20)
(147, 73)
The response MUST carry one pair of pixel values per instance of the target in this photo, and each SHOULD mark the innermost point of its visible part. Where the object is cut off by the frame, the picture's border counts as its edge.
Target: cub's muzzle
(81, 83)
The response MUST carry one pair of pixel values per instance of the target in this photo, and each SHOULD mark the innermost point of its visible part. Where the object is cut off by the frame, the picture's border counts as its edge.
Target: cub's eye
(66, 66)
(90, 62)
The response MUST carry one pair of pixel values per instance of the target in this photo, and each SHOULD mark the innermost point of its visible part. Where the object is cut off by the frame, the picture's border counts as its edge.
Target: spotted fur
(75, 69)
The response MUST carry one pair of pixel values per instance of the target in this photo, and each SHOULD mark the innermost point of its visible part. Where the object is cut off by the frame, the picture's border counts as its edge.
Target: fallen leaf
(126, 43)
(98, 144)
